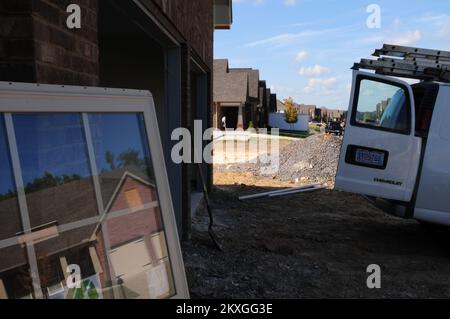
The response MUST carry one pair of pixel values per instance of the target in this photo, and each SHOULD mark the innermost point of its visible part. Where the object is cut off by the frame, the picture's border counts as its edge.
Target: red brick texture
(63, 55)
(37, 46)
(194, 20)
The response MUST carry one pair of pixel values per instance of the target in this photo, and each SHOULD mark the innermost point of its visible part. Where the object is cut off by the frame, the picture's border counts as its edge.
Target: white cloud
(302, 55)
(407, 38)
(395, 34)
(325, 86)
(315, 71)
(286, 38)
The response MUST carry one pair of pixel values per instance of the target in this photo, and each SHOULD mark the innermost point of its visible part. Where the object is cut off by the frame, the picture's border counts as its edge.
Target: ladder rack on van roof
(409, 62)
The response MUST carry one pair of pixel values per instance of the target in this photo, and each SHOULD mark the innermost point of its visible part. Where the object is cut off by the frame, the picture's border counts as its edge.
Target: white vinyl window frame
(38, 98)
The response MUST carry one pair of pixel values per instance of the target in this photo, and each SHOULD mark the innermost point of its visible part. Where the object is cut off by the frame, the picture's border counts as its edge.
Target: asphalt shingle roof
(229, 86)
(253, 80)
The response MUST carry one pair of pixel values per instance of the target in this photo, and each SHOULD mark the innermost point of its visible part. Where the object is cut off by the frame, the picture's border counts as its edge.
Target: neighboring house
(331, 115)
(231, 96)
(251, 109)
(281, 108)
(309, 110)
(335, 115)
(165, 46)
(137, 239)
(269, 99)
(381, 107)
(263, 106)
(318, 113)
(127, 243)
(273, 102)
(240, 97)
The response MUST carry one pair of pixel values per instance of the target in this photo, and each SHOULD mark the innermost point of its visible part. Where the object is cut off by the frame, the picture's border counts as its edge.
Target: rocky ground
(315, 245)
(314, 159)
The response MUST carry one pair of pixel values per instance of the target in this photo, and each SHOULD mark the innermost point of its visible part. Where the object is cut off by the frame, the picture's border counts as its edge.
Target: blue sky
(305, 48)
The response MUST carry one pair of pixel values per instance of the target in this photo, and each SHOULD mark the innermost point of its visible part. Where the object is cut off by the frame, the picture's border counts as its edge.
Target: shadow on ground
(315, 245)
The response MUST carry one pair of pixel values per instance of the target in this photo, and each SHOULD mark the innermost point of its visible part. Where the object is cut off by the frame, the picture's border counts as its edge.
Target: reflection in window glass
(15, 280)
(55, 168)
(9, 209)
(79, 252)
(138, 251)
(119, 148)
(82, 253)
(382, 105)
(59, 190)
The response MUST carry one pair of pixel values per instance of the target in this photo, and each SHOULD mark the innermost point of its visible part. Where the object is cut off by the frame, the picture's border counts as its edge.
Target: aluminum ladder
(409, 62)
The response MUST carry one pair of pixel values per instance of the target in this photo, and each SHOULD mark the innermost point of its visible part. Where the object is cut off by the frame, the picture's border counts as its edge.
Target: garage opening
(231, 114)
(135, 53)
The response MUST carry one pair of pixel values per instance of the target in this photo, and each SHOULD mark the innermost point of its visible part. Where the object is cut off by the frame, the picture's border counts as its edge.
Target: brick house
(240, 96)
(309, 110)
(331, 115)
(253, 94)
(165, 46)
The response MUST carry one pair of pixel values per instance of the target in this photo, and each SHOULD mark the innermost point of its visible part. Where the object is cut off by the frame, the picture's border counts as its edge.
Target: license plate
(369, 157)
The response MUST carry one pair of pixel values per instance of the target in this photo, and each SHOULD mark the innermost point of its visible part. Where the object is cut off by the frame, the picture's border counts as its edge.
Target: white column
(3, 294)
(240, 122)
(64, 265)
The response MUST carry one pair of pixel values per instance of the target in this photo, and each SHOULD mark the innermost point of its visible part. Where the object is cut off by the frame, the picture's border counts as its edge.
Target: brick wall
(65, 56)
(37, 46)
(194, 20)
(16, 41)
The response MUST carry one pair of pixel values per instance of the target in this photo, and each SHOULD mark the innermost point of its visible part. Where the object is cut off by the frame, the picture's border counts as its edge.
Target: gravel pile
(313, 159)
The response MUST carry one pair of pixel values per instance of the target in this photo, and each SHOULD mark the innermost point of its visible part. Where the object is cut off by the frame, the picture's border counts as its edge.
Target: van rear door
(380, 154)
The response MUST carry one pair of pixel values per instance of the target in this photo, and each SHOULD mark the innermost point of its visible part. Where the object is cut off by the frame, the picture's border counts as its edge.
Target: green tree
(109, 157)
(130, 158)
(290, 113)
(369, 117)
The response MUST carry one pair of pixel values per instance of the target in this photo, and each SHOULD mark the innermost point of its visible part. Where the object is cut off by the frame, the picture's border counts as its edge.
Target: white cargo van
(396, 149)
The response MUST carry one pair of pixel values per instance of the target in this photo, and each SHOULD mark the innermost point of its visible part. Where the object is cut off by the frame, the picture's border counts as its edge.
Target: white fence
(277, 120)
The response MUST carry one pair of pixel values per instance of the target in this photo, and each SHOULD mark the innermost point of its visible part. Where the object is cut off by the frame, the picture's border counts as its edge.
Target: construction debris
(314, 159)
(293, 192)
(284, 192)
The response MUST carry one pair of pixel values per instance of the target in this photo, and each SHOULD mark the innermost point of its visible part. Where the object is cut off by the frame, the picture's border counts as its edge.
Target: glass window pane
(82, 253)
(382, 105)
(55, 168)
(119, 147)
(135, 233)
(9, 208)
(59, 192)
(15, 279)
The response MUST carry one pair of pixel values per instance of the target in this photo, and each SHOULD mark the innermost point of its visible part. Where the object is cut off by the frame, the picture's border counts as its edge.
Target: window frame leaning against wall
(41, 99)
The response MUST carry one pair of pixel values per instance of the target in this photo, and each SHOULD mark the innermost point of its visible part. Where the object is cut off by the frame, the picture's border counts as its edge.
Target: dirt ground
(315, 245)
